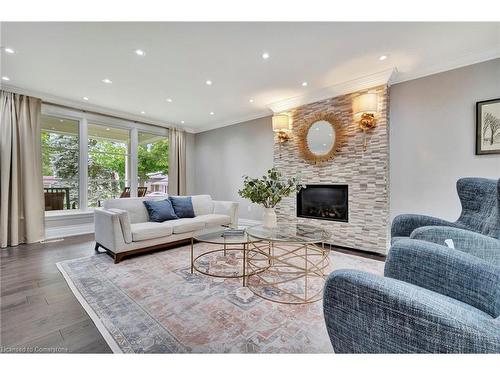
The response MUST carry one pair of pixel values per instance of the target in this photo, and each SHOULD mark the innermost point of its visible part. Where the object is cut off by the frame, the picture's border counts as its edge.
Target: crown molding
(464, 60)
(84, 106)
(236, 121)
(361, 83)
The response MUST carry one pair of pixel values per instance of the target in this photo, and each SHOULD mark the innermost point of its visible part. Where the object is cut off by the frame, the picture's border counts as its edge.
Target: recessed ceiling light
(304, 84)
(251, 100)
(382, 58)
(265, 55)
(182, 121)
(107, 129)
(61, 120)
(212, 113)
(140, 52)
(5, 78)
(107, 80)
(143, 113)
(85, 98)
(208, 82)
(169, 100)
(9, 50)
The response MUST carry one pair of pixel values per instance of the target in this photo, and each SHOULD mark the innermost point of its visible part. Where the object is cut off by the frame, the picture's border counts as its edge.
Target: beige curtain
(177, 162)
(21, 187)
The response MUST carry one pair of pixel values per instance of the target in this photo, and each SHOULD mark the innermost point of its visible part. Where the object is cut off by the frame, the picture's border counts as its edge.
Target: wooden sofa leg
(118, 258)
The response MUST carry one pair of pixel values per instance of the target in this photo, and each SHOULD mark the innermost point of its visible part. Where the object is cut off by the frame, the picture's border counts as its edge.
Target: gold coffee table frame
(293, 255)
(228, 244)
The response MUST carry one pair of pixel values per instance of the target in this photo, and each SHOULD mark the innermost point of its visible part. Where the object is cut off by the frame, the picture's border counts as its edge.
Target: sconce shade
(365, 103)
(280, 123)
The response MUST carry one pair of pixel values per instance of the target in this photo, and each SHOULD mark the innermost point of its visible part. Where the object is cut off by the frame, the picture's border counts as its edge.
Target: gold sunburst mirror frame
(336, 144)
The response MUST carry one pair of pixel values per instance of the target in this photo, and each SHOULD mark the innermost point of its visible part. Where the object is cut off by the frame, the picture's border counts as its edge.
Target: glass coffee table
(296, 262)
(228, 260)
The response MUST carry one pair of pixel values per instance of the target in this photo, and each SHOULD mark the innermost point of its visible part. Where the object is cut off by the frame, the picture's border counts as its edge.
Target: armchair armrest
(227, 208)
(108, 230)
(404, 225)
(446, 271)
(365, 313)
(473, 243)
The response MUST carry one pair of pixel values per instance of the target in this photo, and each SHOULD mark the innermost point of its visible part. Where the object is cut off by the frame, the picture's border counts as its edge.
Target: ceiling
(70, 60)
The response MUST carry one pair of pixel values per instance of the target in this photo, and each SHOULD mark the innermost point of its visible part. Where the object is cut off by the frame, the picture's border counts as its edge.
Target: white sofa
(122, 226)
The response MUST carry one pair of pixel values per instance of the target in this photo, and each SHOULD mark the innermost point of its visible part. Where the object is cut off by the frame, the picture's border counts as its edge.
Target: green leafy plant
(270, 189)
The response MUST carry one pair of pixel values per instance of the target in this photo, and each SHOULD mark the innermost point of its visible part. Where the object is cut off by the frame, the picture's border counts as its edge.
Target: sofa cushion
(183, 206)
(149, 230)
(202, 204)
(136, 210)
(213, 220)
(160, 211)
(185, 225)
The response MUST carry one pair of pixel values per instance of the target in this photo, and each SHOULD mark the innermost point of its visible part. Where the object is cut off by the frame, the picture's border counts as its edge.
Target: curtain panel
(21, 186)
(177, 162)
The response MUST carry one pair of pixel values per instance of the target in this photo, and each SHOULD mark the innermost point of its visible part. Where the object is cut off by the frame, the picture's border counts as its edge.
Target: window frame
(84, 118)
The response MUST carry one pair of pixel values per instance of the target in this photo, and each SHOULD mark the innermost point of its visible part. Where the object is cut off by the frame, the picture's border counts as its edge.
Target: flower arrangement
(270, 189)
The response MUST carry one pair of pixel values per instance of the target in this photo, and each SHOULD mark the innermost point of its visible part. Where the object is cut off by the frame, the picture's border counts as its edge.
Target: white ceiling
(69, 60)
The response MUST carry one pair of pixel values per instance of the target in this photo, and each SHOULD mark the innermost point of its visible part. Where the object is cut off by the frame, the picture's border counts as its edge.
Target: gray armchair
(433, 299)
(477, 228)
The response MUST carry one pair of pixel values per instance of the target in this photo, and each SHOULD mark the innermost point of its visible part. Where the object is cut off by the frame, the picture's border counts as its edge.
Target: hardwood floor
(39, 313)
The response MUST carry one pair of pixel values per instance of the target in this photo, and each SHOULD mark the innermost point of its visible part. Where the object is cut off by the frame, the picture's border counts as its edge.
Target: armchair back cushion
(480, 198)
(446, 271)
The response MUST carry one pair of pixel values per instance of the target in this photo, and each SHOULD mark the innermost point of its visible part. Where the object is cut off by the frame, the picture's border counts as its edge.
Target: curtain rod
(103, 114)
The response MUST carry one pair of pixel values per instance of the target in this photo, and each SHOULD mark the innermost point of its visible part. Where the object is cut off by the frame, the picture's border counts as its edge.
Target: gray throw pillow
(160, 211)
(183, 206)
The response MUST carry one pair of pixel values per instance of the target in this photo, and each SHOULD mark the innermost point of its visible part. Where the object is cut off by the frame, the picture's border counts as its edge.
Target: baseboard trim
(358, 252)
(68, 230)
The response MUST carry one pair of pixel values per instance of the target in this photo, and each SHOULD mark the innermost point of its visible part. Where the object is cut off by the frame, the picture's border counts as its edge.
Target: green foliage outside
(106, 165)
(152, 159)
(270, 189)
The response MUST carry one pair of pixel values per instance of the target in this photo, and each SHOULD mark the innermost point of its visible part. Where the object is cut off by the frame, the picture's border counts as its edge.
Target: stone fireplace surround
(366, 172)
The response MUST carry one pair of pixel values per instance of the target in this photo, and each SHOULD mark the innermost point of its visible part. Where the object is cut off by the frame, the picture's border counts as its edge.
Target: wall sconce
(365, 106)
(281, 126)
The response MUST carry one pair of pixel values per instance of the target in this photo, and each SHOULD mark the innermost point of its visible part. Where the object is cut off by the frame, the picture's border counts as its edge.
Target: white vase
(269, 219)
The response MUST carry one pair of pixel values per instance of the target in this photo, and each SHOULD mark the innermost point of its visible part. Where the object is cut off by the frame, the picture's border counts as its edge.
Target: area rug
(153, 304)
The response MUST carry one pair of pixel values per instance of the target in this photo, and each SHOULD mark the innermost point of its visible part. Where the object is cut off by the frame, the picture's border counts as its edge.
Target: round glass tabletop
(219, 238)
(289, 232)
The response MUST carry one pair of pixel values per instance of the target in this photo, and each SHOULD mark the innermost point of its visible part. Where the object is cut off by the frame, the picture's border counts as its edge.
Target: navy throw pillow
(160, 211)
(183, 206)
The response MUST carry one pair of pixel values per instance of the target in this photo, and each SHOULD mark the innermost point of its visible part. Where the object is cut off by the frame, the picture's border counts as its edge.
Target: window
(60, 163)
(88, 158)
(108, 163)
(152, 164)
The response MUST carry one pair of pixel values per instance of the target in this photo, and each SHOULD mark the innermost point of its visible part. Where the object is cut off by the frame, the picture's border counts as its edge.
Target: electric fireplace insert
(324, 202)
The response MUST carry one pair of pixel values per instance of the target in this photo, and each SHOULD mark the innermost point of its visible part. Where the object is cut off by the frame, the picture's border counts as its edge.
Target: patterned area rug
(153, 304)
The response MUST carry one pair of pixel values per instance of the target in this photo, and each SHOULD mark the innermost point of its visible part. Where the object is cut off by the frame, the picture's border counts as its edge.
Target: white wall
(224, 155)
(432, 138)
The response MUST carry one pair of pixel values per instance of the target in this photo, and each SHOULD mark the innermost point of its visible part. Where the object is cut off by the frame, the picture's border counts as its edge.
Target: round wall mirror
(320, 137)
